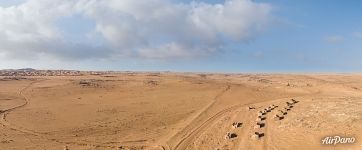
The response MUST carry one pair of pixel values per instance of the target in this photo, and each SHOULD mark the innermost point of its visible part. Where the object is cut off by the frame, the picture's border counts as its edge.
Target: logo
(329, 140)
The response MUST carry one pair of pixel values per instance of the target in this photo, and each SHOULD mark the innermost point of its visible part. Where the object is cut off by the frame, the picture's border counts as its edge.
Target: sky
(182, 35)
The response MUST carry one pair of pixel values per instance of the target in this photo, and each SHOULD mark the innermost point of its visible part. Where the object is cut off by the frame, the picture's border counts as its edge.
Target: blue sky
(254, 36)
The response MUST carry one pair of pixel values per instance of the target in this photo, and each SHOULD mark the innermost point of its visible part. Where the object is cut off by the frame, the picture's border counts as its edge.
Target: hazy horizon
(207, 72)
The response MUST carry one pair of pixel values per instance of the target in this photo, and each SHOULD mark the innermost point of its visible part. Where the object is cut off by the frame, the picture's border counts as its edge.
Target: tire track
(26, 100)
(6, 124)
(165, 146)
(184, 142)
(5, 112)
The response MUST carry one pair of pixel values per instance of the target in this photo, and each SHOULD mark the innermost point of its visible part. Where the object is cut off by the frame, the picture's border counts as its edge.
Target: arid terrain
(180, 111)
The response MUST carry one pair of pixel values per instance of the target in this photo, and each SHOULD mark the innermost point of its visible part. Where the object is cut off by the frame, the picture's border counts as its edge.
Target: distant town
(34, 72)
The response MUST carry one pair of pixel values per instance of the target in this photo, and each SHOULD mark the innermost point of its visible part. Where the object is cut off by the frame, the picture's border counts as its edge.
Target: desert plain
(192, 111)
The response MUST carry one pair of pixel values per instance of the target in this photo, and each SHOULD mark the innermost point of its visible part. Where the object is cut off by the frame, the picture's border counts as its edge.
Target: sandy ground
(180, 111)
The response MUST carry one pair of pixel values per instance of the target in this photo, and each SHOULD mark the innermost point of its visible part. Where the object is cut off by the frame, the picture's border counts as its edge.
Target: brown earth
(180, 111)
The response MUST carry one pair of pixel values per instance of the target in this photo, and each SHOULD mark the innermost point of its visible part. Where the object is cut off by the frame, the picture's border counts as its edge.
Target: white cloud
(156, 29)
(33, 20)
(334, 39)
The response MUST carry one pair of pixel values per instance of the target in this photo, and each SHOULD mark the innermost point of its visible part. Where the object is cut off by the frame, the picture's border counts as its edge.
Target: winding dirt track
(5, 112)
(6, 124)
(26, 100)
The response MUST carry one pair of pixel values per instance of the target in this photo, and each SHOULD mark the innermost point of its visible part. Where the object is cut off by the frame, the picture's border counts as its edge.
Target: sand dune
(180, 111)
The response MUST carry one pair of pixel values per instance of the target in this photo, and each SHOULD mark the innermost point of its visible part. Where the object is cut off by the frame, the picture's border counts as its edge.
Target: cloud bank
(150, 29)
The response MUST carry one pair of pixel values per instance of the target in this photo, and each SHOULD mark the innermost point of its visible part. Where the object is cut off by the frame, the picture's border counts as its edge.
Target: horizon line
(206, 72)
